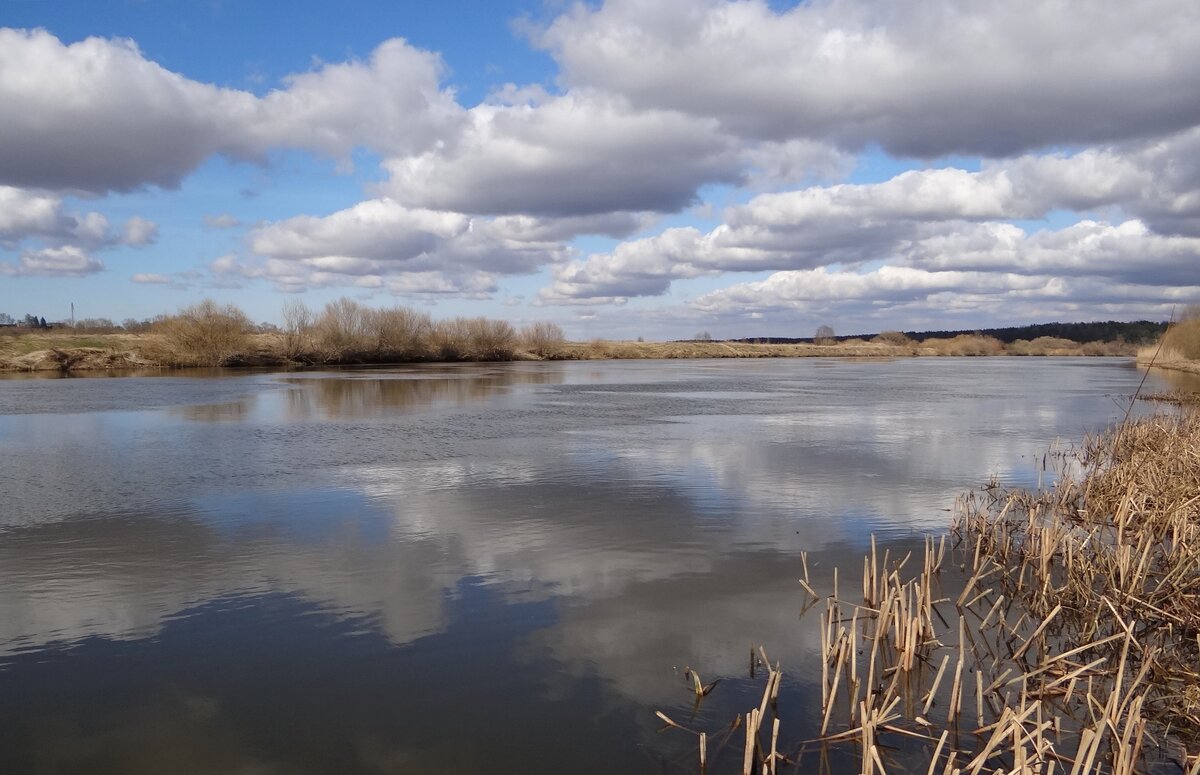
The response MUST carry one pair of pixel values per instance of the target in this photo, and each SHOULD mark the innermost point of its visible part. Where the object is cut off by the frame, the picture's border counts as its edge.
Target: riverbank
(65, 351)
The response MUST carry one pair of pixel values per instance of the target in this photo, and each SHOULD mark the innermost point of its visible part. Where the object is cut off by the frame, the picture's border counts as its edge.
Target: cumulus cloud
(30, 214)
(642, 267)
(39, 216)
(25, 213)
(1086, 264)
(946, 218)
(871, 300)
(139, 231)
(98, 116)
(888, 283)
(1079, 107)
(1127, 252)
(583, 153)
(67, 261)
(382, 243)
(926, 79)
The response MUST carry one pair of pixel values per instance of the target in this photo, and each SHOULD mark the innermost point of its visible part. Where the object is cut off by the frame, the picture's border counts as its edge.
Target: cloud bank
(724, 151)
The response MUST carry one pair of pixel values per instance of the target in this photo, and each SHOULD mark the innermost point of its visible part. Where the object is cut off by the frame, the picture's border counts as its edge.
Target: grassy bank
(1054, 631)
(345, 332)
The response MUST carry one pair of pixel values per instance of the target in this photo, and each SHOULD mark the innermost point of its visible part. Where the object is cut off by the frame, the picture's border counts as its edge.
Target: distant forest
(1137, 332)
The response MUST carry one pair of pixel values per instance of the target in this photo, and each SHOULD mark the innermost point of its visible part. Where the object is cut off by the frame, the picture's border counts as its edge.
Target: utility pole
(72, 314)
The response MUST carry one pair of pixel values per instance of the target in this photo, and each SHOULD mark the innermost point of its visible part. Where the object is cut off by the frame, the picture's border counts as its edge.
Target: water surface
(474, 568)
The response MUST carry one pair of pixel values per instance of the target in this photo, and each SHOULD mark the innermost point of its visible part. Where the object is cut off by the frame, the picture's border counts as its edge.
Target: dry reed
(1072, 644)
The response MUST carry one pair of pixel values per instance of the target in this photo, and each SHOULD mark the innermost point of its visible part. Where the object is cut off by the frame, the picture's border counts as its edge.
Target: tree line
(29, 321)
(1136, 332)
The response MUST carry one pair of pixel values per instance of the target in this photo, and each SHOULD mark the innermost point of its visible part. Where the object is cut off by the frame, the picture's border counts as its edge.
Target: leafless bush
(400, 333)
(542, 339)
(894, 338)
(965, 344)
(297, 329)
(342, 331)
(491, 340)
(473, 339)
(205, 334)
(450, 339)
(1044, 345)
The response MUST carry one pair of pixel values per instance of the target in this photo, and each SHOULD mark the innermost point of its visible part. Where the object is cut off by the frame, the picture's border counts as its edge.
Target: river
(468, 568)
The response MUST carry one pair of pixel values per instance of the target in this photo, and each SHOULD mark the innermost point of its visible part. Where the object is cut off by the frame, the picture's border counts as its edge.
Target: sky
(653, 168)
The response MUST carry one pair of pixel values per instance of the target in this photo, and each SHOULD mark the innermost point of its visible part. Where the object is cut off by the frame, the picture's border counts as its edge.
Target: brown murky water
(477, 568)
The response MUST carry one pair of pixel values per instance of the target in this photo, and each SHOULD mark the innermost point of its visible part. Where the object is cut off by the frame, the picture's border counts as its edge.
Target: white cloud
(139, 231)
(375, 230)
(642, 267)
(904, 293)
(67, 261)
(1126, 252)
(416, 250)
(583, 153)
(927, 78)
(391, 103)
(25, 213)
(98, 116)
(938, 218)
(888, 283)
(38, 215)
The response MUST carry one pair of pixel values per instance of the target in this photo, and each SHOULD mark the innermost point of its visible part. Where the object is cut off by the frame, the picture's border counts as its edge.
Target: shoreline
(78, 353)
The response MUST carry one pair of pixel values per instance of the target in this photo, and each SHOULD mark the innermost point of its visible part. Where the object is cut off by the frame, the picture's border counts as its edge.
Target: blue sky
(624, 168)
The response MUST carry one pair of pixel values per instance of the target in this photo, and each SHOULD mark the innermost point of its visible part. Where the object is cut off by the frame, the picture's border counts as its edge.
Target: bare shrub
(400, 333)
(491, 340)
(825, 336)
(297, 329)
(894, 338)
(1116, 347)
(542, 339)
(450, 339)
(342, 332)
(205, 334)
(965, 344)
(1044, 345)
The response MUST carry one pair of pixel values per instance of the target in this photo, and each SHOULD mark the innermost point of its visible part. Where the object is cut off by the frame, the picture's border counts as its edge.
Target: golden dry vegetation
(1056, 630)
(1179, 348)
(347, 332)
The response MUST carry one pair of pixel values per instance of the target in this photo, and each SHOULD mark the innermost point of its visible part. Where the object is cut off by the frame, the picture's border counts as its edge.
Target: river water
(468, 568)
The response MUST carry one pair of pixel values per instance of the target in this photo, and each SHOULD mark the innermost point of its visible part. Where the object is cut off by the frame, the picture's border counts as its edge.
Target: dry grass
(59, 350)
(1182, 340)
(1179, 348)
(1072, 643)
(600, 349)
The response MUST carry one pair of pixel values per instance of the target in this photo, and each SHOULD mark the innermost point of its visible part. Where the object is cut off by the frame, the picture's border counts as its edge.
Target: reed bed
(1053, 631)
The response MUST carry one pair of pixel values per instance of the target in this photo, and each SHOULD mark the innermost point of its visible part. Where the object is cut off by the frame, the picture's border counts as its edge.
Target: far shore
(67, 351)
